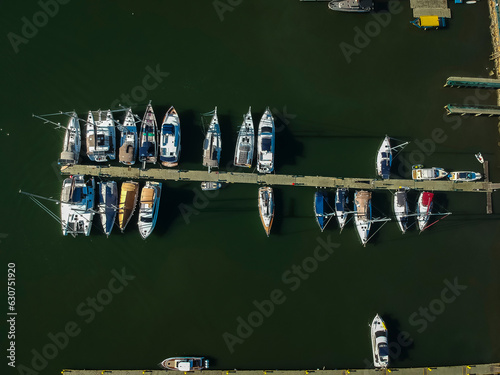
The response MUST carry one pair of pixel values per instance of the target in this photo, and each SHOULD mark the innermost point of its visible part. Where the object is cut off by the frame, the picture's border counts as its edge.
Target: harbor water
(208, 281)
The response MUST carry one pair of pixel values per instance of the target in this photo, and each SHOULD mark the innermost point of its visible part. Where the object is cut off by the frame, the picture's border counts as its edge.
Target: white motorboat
(266, 143)
(380, 347)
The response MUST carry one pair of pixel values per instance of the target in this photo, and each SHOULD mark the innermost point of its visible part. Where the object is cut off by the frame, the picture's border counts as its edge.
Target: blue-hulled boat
(129, 140)
(108, 205)
(322, 209)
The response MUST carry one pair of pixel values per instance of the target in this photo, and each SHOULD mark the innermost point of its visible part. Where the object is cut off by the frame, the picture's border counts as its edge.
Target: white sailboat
(266, 143)
(243, 154)
(385, 157)
(266, 207)
(170, 139)
(77, 205)
(149, 205)
(341, 210)
(129, 140)
(212, 144)
(148, 142)
(380, 347)
(72, 142)
(363, 215)
(101, 136)
(108, 204)
(400, 204)
(424, 208)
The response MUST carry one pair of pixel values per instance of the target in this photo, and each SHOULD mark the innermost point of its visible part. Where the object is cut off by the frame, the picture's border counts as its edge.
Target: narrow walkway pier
(430, 8)
(487, 369)
(477, 110)
(277, 179)
(473, 82)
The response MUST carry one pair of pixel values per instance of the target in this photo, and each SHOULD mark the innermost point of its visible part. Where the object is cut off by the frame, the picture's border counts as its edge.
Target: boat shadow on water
(400, 342)
(192, 137)
(288, 148)
(229, 134)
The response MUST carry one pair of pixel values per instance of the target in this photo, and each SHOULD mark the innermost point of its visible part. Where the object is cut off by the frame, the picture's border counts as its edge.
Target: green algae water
(208, 281)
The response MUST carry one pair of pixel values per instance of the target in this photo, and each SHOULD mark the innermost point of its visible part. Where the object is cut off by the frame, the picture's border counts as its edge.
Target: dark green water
(194, 279)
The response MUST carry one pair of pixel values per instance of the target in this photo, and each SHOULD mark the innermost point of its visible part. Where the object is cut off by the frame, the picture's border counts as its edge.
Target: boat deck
(483, 369)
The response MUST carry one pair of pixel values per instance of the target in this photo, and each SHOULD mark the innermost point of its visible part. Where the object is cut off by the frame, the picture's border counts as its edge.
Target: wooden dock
(477, 110)
(430, 8)
(473, 82)
(277, 179)
(486, 369)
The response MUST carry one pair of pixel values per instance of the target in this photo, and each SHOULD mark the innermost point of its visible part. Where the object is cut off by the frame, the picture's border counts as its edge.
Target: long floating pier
(486, 369)
(430, 8)
(477, 110)
(473, 82)
(277, 179)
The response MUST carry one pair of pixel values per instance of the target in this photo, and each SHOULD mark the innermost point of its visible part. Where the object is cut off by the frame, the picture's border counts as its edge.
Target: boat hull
(424, 208)
(384, 159)
(463, 176)
(101, 136)
(400, 205)
(380, 348)
(185, 363)
(243, 154)
(266, 143)
(363, 214)
(148, 142)
(72, 142)
(128, 200)
(148, 208)
(341, 200)
(419, 173)
(129, 140)
(321, 209)
(266, 208)
(77, 205)
(108, 204)
(212, 145)
(170, 139)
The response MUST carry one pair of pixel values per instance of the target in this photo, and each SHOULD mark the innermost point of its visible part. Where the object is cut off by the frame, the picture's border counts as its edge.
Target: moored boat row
(78, 199)
(362, 210)
(152, 143)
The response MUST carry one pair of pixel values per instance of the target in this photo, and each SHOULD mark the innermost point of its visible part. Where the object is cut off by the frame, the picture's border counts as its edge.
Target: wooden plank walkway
(473, 82)
(483, 369)
(430, 8)
(277, 179)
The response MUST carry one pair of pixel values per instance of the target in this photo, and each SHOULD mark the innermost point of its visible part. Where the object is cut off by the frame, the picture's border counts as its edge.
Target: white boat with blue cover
(148, 207)
(170, 139)
(245, 144)
(129, 140)
(77, 205)
(101, 136)
(380, 345)
(464, 176)
(266, 143)
(108, 204)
